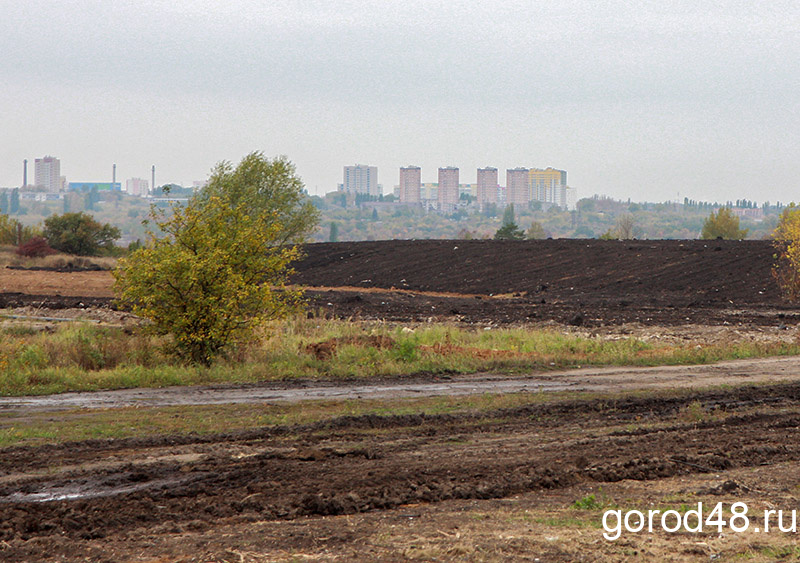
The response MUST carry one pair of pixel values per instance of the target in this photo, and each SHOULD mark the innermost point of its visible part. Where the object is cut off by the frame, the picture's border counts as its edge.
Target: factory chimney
(24, 172)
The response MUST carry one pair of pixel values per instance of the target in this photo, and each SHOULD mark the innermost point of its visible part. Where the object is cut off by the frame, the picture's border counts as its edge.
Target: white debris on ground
(44, 318)
(683, 334)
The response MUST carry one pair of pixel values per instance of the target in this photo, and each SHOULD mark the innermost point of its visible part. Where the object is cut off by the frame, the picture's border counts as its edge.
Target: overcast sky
(641, 100)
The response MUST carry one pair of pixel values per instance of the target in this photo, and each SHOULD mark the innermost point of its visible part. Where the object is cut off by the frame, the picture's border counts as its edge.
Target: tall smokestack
(153, 186)
(24, 172)
(114, 177)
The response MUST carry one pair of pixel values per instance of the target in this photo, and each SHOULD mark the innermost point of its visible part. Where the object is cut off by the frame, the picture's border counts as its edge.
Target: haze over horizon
(642, 101)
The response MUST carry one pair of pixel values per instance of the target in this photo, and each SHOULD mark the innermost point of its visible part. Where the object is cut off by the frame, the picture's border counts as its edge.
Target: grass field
(83, 356)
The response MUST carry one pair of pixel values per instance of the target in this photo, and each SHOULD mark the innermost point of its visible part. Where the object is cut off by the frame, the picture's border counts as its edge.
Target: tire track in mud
(356, 464)
(603, 379)
(556, 413)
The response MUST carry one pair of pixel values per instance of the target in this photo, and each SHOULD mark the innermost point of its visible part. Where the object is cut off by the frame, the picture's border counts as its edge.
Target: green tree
(271, 189)
(8, 230)
(219, 270)
(14, 232)
(508, 215)
(334, 233)
(722, 224)
(535, 231)
(510, 230)
(79, 233)
(73, 202)
(91, 199)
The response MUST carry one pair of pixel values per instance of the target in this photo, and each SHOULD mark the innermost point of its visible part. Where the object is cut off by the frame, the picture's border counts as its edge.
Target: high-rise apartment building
(517, 187)
(47, 174)
(448, 189)
(487, 186)
(138, 187)
(429, 191)
(410, 184)
(360, 179)
(570, 199)
(545, 184)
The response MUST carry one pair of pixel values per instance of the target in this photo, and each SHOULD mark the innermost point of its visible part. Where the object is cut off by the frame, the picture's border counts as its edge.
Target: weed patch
(80, 356)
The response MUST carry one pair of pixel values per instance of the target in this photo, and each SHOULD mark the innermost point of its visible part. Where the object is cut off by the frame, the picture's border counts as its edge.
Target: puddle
(88, 491)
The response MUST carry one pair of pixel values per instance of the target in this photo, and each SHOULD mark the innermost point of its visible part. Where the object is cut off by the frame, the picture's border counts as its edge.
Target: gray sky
(634, 99)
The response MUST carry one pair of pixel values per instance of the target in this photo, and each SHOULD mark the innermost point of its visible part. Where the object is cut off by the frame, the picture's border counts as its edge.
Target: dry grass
(9, 257)
(87, 357)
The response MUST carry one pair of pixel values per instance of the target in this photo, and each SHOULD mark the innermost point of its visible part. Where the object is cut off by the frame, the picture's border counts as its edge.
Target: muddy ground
(477, 486)
(286, 493)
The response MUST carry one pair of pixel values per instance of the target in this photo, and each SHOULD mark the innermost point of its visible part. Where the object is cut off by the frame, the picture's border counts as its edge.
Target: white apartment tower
(138, 187)
(487, 186)
(448, 189)
(410, 184)
(518, 187)
(361, 179)
(570, 199)
(47, 174)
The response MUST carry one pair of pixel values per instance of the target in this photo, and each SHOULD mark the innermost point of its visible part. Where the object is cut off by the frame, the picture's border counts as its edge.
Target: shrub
(36, 247)
(589, 502)
(79, 233)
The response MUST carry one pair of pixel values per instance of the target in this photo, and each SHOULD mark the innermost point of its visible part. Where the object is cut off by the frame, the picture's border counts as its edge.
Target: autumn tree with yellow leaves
(786, 240)
(723, 224)
(216, 268)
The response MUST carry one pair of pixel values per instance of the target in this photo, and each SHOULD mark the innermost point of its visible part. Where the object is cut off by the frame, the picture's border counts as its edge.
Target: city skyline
(540, 184)
(688, 99)
(523, 187)
(357, 178)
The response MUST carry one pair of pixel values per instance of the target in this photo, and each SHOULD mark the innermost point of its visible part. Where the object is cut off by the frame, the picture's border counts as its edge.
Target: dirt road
(613, 379)
(285, 492)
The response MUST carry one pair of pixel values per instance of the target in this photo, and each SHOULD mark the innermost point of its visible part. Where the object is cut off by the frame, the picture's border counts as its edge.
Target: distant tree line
(739, 203)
